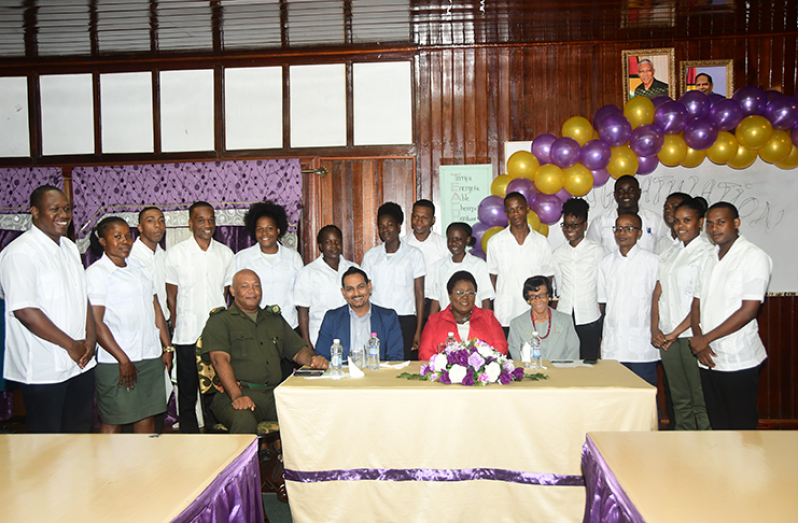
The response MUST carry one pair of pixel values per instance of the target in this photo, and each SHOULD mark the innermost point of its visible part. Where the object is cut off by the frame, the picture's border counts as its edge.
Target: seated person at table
(461, 318)
(558, 339)
(353, 323)
(245, 344)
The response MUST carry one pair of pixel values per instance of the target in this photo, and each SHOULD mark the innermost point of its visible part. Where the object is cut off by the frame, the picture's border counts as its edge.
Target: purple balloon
(726, 114)
(541, 148)
(604, 112)
(600, 177)
(782, 113)
(772, 94)
(647, 164)
(661, 99)
(596, 154)
(646, 140)
(524, 186)
(696, 103)
(565, 152)
(715, 98)
(700, 134)
(671, 117)
(794, 136)
(615, 129)
(491, 212)
(548, 208)
(477, 230)
(564, 195)
(478, 252)
(752, 99)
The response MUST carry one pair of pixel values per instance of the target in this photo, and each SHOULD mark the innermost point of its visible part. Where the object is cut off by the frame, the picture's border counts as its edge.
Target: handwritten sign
(462, 188)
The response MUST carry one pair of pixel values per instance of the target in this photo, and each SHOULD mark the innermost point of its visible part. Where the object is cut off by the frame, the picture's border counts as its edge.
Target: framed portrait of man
(708, 76)
(649, 73)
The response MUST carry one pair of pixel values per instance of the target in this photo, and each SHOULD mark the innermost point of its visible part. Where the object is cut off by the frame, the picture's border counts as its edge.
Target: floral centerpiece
(471, 362)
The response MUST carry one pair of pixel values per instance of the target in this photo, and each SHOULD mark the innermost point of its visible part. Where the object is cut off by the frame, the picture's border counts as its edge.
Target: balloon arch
(633, 141)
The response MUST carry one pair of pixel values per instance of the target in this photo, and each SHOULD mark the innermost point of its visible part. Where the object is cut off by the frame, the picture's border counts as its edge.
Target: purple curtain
(19, 183)
(606, 500)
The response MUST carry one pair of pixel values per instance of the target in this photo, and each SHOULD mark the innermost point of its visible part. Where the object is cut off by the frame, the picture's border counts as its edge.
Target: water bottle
(534, 342)
(336, 357)
(526, 354)
(373, 352)
(451, 341)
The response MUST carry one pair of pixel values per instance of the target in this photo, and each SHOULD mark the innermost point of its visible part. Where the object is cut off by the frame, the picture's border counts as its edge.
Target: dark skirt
(119, 406)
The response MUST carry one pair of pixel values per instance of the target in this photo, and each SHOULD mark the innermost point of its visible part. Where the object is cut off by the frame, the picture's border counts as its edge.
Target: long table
(386, 449)
(691, 477)
(129, 478)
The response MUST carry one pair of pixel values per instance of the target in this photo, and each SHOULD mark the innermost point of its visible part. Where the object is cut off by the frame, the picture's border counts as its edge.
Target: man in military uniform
(245, 344)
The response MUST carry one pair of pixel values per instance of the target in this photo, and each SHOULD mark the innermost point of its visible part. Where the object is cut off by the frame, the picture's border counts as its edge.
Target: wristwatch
(169, 348)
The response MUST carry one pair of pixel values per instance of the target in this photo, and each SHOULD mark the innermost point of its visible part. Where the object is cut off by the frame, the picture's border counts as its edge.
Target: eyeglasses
(571, 226)
(536, 297)
(627, 228)
(470, 294)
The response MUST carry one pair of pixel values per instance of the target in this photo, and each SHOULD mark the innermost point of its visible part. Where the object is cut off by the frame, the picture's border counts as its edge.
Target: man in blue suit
(354, 322)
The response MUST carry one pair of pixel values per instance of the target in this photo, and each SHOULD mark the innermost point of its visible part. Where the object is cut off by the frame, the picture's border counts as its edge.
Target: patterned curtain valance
(17, 184)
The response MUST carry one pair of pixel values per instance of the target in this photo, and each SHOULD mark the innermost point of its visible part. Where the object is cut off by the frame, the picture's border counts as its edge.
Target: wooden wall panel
(778, 394)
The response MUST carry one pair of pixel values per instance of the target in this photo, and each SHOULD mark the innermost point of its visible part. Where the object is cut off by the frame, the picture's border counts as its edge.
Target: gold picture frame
(715, 69)
(661, 58)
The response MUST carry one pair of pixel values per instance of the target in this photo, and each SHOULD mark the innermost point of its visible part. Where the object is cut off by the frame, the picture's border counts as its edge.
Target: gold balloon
(595, 135)
(623, 161)
(522, 164)
(777, 148)
(533, 220)
(578, 180)
(543, 229)
(549, 179)
(673, 150)
(791, 162)
(488, 235)
(578, 128)
(693, 158)
(724, 149)
(744, 158)
(754, 131)
(499, 185)
(639, 111)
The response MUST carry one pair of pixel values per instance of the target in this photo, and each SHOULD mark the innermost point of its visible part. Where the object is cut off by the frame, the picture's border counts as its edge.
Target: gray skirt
(119, 406)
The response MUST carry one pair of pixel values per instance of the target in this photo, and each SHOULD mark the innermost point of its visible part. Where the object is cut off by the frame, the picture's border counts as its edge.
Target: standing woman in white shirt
(131, 333)
(679, 268)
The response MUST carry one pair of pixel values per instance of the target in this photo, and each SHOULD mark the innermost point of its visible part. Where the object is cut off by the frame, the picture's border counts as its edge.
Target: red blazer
(483, 326)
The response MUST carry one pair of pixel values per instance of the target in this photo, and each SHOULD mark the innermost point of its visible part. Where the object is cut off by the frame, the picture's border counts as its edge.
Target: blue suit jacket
(384, 322)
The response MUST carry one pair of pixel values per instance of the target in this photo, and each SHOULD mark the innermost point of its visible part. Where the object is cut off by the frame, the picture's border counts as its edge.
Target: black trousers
(66, 407)
(187, 388)
(408, 325)
(730, 398)
(589, 336)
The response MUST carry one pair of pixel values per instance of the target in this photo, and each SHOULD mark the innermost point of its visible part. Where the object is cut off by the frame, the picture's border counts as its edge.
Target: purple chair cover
(233, 496)
(606, 500)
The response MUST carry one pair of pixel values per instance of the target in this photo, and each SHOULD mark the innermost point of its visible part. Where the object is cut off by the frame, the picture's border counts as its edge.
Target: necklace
(548, 331)
(465, 318)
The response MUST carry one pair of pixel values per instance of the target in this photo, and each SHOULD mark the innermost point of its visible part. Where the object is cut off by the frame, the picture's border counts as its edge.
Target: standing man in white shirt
(731, 286)
(578, 259)
(431, 244)
(627, 197)
(50, 337)
(147, 251)
(198, 273)
(515, 254)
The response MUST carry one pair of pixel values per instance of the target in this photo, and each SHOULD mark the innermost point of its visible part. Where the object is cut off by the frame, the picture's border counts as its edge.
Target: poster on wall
(462, 188)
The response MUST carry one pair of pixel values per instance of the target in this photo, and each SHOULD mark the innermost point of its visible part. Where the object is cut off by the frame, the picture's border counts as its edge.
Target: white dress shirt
(626, 285)
(513, 264)
(434, 249)
(393, 277)
(318, 287)
(126, 293)
(445, 268)
(577, 288)
(742, 274)
(276, 279)
(678, 276)
(600, 230)
(201, 277)
(37, 273)
(155, 262)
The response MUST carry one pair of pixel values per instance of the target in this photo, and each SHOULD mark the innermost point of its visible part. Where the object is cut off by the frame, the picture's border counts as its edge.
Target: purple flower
(508, 366)
(505, 378)
(518, 374)
(484, 378)
(425, 369)
(468, 380)
(475, 360)
(445, 377)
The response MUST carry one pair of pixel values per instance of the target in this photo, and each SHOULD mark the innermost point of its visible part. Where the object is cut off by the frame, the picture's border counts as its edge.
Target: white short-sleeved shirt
(393, 277)
(201, 277)
(37, 273)
(678, 276)
(600, 230)
(434, 249)
(626, 285)
(445, 268)
(513, 264)
(155, 263)
(742, 274)
(579, 269)
(277, 279)
(126, 293)
(318, 287)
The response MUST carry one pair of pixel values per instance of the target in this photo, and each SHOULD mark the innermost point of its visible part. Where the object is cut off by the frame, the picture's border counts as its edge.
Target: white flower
(457, 373)
(493, 369)
(438, 362)
(484, 349)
